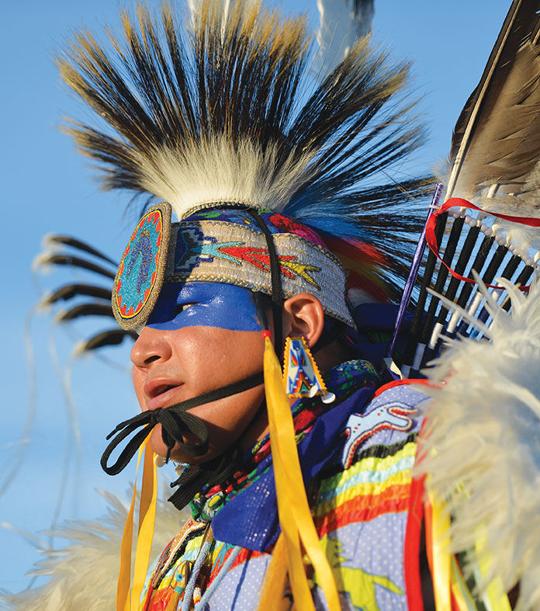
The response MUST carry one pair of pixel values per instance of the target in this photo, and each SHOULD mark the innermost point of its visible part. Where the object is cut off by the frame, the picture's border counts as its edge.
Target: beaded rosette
(141, 271)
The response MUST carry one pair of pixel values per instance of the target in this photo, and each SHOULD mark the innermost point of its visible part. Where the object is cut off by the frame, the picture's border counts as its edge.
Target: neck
(328, 357)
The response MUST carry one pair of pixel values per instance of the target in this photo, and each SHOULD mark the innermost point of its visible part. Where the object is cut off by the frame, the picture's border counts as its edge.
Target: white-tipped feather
(48, 241)
(483, 442)
(41, 263)
(217, 171)
(79, 349)
(83, 574)
(45, 303)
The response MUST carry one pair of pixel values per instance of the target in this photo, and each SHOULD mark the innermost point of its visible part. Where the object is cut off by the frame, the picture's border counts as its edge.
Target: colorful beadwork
(208, 250)
(193, 248)
(394, 416)
(142, 267)
(302, 377)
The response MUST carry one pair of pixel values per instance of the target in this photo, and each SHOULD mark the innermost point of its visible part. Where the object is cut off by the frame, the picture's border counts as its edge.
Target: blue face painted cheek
(205, 304)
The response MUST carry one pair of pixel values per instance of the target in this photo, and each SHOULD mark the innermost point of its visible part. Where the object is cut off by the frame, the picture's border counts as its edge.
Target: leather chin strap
(177, 423)
(209, 473)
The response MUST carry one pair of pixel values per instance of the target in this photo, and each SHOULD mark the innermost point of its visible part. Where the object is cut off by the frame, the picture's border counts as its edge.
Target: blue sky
(47, 187)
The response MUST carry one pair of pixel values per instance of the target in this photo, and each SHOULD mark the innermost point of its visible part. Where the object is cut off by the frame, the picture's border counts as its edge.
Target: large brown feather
(496, 142)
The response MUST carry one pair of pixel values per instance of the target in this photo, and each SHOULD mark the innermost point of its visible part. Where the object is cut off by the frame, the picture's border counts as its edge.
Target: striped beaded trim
(218, 251)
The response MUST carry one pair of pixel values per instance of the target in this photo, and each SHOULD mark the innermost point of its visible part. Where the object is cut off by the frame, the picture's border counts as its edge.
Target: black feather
(72, 261)
(72, 242)
(112, 337)
(85, 309)
(70, 291)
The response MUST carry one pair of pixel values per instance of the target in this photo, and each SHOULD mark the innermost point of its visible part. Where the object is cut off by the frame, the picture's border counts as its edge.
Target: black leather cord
(175, 422)
(275, 275)
(195, 477)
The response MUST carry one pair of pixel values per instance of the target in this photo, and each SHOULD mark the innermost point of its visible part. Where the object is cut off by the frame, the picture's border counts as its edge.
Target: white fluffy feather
(483, 438)
(83, 574)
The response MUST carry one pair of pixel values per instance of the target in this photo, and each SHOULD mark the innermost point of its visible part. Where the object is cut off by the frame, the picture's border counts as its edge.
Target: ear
(303, 315)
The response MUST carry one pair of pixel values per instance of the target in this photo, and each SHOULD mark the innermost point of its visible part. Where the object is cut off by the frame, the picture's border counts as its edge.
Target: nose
(151, 346)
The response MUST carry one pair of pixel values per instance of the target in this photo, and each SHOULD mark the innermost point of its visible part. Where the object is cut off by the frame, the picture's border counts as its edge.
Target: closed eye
(181, 307)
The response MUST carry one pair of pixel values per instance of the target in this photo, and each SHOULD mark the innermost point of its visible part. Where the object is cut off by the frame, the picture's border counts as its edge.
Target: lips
(161, 392)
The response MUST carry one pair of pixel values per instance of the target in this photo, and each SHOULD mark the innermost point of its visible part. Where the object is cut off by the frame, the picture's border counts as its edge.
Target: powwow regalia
(366, 490)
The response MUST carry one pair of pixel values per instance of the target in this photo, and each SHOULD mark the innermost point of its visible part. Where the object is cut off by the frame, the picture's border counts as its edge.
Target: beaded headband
(222, 246)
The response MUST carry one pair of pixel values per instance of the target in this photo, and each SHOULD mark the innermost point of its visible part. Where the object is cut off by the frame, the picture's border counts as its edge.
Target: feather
(70, 291)
(101, 306)
(341, 24)
(225, 112)
(83, 574)
(485, 409)
(496, 140)
(104, 339)
(84, 309)
(52, 258)
(67, 240)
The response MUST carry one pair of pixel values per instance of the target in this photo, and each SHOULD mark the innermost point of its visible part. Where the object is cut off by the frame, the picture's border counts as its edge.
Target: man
(216, 129)
(301, 489)
(357, 464)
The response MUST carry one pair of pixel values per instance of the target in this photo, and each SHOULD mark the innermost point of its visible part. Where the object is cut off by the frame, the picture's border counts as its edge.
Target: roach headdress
(226, 112)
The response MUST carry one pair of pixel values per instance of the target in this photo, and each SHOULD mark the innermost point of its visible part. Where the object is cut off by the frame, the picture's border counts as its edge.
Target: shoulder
(361, 508)
(378, 444)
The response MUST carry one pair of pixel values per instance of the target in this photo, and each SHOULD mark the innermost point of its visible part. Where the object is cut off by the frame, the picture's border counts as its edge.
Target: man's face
(200, 337)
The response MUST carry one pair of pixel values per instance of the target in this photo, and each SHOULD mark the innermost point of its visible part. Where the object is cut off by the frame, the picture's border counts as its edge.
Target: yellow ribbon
(293, 508)
(460, 590)
(445, 571)
(272, 594)
(440, 554)
(494, 597)
(145, 533)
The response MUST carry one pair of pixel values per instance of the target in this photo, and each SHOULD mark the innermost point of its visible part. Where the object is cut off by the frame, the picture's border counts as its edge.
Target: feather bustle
(83, 574)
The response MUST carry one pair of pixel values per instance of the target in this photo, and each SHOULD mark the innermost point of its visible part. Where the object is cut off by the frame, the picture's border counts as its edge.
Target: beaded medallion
(141, 271)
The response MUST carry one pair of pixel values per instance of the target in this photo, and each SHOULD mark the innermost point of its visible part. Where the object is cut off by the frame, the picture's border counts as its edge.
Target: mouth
(161, 393)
